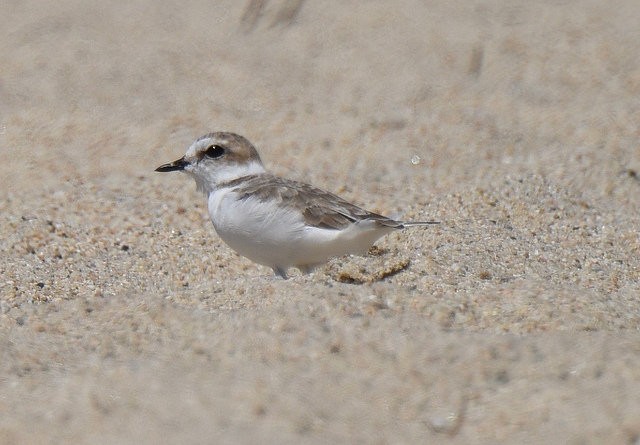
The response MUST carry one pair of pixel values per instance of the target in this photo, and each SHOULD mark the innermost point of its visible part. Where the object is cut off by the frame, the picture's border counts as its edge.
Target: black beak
(178, 165)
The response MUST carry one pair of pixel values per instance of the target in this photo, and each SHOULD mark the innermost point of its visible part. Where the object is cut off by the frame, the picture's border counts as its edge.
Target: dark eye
(214, 151)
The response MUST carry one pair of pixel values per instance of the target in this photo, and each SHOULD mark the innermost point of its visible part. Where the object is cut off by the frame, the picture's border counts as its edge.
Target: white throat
(209, 180)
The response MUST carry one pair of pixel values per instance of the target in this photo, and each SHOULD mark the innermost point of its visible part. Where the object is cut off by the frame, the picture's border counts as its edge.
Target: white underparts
(277, 236)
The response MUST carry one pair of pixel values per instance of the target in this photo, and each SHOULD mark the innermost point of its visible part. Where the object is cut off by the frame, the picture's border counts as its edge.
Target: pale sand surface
(124, 319)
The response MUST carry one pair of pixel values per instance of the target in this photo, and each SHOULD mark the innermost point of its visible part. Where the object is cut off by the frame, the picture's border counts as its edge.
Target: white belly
(278, 237)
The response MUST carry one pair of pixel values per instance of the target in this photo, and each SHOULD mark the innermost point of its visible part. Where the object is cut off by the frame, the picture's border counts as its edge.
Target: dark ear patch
(214, 151)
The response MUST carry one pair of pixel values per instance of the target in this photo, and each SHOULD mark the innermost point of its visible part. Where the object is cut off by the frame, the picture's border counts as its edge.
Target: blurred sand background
(124, 319)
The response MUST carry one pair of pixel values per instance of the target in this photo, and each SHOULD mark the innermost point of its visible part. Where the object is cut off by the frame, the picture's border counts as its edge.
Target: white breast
(277, 236)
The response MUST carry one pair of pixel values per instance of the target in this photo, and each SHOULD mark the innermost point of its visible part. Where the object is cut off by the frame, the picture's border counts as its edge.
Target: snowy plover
(274, 221)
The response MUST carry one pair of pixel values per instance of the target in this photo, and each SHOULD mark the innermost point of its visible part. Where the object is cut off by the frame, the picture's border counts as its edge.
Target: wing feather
(319, 208)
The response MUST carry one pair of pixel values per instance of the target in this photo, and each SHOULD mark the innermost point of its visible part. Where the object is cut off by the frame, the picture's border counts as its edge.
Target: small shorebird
(274, 221)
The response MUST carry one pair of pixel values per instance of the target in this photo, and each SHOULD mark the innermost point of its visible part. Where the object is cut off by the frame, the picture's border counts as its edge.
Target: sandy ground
(124, 319)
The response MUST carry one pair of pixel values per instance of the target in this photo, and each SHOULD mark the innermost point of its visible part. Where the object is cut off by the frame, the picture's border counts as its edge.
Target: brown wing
(320, 208)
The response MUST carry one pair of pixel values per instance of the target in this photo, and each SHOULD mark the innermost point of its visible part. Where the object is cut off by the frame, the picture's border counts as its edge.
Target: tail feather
(418, 223)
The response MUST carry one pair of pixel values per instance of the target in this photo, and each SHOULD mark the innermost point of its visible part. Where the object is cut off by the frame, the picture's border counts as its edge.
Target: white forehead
(237, 148)
(201, 144)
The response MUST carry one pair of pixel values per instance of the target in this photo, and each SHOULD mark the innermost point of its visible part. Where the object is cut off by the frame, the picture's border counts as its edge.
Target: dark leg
(282, 273)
